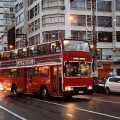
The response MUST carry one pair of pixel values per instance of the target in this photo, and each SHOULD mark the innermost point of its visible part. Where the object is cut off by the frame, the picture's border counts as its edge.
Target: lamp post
(94, 41)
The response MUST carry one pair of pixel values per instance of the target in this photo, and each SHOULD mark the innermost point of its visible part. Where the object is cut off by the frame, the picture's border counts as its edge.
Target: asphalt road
(96, 107)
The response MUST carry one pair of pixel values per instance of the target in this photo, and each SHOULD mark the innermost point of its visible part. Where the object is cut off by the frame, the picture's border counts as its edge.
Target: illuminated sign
(25, 62)
(79, 58)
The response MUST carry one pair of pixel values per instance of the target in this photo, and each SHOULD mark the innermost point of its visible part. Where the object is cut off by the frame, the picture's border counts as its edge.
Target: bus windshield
(77, 69)
(75, 45)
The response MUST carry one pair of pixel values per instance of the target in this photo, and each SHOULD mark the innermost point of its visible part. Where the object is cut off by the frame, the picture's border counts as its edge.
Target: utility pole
(94, 41)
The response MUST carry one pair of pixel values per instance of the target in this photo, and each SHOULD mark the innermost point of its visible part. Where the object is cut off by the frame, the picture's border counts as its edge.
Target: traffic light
(71, 0)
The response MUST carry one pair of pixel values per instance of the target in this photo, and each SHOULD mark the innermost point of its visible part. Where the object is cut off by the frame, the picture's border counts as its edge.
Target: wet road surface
(96, 107)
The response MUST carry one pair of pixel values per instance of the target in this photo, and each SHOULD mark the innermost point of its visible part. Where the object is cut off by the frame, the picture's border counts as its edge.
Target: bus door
(29, 75)
(57, 80)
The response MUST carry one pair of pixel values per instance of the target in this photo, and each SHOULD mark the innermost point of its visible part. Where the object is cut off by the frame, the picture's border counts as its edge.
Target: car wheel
(107, 90)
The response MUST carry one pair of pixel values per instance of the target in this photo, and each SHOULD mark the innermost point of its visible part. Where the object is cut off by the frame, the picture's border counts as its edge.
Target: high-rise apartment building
(7, 20)
(48, 20)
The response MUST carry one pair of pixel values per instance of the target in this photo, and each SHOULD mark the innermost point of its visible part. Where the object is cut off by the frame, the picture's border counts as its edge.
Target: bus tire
(14, 90)
(44, 93)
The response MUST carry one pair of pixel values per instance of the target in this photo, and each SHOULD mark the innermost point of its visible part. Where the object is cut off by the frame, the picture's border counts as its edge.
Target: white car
(112, 85)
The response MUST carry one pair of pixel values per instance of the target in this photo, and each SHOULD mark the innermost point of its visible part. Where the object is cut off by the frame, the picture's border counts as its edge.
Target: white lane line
(80, 109)
(12, 113)
(107, 101)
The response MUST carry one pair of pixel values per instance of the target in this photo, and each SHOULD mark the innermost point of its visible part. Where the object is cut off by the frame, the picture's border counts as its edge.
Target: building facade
(48, 20)
(7, 20)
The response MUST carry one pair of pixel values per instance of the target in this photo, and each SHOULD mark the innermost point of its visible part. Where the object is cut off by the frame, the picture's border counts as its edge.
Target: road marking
(107, 101)
(80, 109)
(12, 113)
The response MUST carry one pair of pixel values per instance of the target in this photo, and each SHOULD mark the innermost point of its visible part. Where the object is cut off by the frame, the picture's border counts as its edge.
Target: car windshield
(75, 45)
(77, 69)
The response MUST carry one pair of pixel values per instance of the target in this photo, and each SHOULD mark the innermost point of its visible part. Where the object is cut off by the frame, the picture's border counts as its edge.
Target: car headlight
(68, 88)
(89, 87)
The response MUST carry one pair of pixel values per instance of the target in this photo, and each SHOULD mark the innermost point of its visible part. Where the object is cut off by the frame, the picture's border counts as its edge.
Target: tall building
(47, 20)
(7, 20)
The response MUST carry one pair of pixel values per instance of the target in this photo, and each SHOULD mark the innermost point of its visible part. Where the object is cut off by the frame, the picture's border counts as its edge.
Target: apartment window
(53, 19)
(53, 35)
(31, 27)
(17, 44)
(33, 12)
(36, 9)
(37, 39)
(20, 30)
(34, 40)
(19, 18)
(78, 4)
(104, 21)
(118, 36)
(118, 21)
(78, 34)
(104, 36)
(8, 15)
(89, 20)
(104, 6)
(78, 20)
(11, 9)
(117, 2)
(19, 6)
(30, 2)
(89, 4)
(31, 41)
(49, 4)
(37, 24)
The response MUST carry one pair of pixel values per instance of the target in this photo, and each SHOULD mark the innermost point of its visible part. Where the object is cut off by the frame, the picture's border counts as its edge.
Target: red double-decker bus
(58, 68)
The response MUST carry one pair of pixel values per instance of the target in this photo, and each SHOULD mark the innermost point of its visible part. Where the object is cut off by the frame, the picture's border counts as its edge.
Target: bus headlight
(89, 87)
(68, 88)
(1, 86)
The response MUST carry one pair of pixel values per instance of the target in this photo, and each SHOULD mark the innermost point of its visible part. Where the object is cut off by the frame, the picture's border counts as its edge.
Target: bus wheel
(44, 93)
(14, 90)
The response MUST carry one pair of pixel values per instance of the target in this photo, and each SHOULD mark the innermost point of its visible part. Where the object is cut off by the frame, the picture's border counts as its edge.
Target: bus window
(46, 48)
(6, 73)
(14, 73)
(35, 71)
(58, 47)
(40, 49)
(55, 47)
(20, 53)
(32, 51)
(43, 71)
(77, 69)
(24, 52)
(52, 47)
(74, 45)
(6, 55)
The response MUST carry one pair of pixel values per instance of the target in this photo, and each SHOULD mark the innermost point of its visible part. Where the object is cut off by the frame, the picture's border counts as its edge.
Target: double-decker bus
(58, 68)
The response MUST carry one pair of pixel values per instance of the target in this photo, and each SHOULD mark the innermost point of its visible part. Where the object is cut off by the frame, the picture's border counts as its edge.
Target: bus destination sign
(79, 58)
